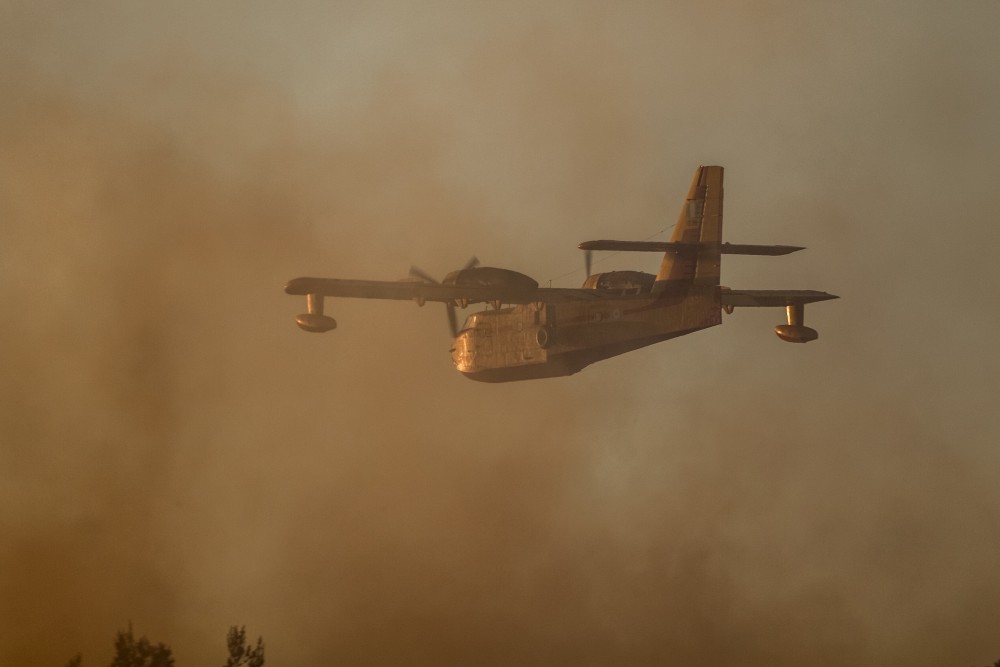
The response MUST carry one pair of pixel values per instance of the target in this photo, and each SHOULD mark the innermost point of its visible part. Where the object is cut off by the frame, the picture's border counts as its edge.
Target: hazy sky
(175, 452)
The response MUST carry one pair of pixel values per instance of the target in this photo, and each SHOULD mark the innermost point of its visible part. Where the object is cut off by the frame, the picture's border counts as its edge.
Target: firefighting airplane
(538, 332)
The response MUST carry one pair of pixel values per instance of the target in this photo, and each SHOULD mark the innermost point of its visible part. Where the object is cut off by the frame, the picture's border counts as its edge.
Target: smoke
(175, 452)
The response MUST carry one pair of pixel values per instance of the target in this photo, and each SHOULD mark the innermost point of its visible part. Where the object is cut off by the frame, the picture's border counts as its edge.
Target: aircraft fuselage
(531, 341)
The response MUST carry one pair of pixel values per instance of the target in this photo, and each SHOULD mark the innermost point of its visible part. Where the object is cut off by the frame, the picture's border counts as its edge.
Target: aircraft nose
(461, 354)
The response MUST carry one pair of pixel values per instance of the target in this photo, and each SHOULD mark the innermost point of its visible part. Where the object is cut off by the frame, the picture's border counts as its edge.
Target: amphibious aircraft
(531, 332)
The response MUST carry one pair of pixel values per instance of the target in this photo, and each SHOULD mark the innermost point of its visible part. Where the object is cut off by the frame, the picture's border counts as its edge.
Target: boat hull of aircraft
(534, 341)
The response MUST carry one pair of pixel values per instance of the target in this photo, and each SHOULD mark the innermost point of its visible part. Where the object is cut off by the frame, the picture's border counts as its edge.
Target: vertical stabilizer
(700, 222)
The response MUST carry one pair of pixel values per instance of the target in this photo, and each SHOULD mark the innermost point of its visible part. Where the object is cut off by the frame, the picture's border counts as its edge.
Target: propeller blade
(452, 319)
(426, 277)
(423, 275)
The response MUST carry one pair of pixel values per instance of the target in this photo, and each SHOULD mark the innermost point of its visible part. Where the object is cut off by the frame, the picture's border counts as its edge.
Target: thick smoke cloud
(176, 453)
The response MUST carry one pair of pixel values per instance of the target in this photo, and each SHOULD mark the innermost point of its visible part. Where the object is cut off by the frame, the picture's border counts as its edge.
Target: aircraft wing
(412, 290)
(772, 298)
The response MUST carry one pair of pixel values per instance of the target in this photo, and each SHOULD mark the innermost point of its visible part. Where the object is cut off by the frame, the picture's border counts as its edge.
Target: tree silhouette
(141, 653)
(240, 653)
(130, 652)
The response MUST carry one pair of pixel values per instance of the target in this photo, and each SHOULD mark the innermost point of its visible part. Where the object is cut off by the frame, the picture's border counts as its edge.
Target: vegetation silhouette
(240, 653)
(132, 652)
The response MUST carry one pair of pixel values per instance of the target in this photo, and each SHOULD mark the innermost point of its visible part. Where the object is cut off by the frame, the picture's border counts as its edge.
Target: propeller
(450, 305)
(423, 275)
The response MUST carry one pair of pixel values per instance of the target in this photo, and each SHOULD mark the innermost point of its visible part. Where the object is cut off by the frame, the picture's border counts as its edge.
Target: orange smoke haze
(174, 452)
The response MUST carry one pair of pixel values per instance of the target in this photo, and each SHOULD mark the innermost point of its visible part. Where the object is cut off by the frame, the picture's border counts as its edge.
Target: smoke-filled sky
(174, 452)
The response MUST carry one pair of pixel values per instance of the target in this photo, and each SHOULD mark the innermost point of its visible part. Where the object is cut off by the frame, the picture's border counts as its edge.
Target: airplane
(531, 332)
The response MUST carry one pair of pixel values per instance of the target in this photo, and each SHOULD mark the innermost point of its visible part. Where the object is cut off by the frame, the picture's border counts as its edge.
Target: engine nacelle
(489, 276)
(626, 281)
(795, 333)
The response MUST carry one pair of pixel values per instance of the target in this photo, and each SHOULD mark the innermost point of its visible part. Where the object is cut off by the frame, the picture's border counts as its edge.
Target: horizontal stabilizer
(681, 247)
(772, 298)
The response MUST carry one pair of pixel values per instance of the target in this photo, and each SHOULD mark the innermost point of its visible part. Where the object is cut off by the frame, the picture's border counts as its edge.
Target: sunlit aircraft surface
(532, 332)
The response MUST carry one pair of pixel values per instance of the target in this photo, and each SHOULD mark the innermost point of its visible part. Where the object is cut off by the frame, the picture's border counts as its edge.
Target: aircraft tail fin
(700, 222)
